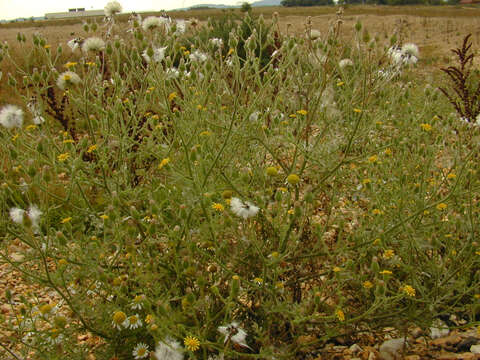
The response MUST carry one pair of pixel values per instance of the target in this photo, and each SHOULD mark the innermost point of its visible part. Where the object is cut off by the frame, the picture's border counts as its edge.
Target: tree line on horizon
(289, 3)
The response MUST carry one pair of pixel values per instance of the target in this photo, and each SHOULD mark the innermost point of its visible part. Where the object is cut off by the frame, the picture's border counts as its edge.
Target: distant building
(74, 12)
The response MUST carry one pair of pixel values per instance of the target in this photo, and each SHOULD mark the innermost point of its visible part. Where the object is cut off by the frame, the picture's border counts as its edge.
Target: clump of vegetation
(189, 194)
(464, 92)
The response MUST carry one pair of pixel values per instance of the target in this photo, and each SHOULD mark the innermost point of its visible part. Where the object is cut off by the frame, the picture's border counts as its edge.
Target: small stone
(447, 341)
(355, 349)
(466, 344)
(439, 329)
(475, 349)
(392, 349)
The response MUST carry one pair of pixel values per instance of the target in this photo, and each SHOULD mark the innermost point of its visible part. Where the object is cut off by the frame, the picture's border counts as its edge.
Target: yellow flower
(191, 343)
(92, 148)
(47, 46)
(45, 309)
(258, 281)
(358, 111)
(104, 217)
(451, 176)
(62, 262)
(70, 64)
(366, 181)
(172, 96)
(337, 269)
(426, 127)
(409, 290)
(340, 83)
(205, 133)
(68, 141)
(149, 319)
(66, 220)
(388, 254)
(163, 163)
(386, 272)
(63, 157)
(302, 112)
(218, 207)
(441, 206)
(388, 151)
(367, 284)
(230, 51)
(291, 211)
(292, 116)
(293, 179)
(373, 159)
(340, 315)
(90, 63)
(15, 137)
(30, 127)
(282, 189)
(118, 318)
(377, 212)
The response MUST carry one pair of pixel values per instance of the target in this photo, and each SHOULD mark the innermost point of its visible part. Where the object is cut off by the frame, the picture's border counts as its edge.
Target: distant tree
(246, 7)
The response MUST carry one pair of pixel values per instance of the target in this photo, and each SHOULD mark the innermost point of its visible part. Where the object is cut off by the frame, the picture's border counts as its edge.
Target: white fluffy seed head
(11, 116)
(112, 8)
(16, 214)
(244, 210)
(169, 349)
(344, 63)
(410, 49)
(93, 44)
(68, 79)
(153, 22)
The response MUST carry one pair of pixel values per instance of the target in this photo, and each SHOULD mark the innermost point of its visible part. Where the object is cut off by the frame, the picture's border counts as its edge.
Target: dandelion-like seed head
(411, 50)
(11, 116)
(153, 22)
(112, 8)
(16, 214)
(93, 44)
(244, 210)
(235, 333)
(198, 56)
(158, 55)
(344, 63)
(169, 349)
(67, 80)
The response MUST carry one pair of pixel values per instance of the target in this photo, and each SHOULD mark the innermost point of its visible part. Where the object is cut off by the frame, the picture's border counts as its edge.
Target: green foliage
(211, 188)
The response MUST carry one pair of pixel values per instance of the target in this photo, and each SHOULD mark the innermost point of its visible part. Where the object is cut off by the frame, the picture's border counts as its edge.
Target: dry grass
(434, 29)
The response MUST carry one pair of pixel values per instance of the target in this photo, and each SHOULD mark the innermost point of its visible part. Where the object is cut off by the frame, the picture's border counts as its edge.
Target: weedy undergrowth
(464, 91)
(202, 194)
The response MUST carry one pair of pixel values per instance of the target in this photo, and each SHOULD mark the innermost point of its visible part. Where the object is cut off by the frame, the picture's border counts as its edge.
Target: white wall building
(72, 13)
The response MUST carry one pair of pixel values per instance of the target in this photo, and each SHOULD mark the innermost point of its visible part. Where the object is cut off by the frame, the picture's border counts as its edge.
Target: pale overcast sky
(11, 9)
